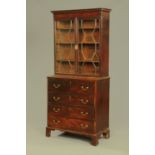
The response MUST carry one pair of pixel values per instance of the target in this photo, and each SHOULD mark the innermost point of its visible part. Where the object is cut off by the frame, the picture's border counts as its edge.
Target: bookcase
(78, 93)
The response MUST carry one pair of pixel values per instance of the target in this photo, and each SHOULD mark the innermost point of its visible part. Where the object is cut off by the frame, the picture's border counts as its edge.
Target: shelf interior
(85, 59)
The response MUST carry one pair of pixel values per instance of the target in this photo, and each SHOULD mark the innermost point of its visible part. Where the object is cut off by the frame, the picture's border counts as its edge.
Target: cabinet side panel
(102, 105)
(105, 43)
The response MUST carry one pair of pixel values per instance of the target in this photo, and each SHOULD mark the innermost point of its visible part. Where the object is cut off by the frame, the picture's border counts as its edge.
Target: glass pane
(65, 41)
(89, 38)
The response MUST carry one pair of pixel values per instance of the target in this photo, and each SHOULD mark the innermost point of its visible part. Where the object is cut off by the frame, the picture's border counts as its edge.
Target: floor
(68, 144)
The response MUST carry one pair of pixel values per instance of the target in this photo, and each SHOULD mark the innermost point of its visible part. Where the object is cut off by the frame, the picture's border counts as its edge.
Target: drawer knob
(56, 85)
(84, 113)
(56, 98)
(84, 126)
(83, 101)
(56, 121)
(84, 88)
(56, 109)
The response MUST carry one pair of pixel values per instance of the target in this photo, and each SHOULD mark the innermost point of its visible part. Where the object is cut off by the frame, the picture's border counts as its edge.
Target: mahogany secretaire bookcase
(78, 93)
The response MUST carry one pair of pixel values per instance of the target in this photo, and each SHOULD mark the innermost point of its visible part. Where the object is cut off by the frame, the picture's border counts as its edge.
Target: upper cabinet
(82, 42)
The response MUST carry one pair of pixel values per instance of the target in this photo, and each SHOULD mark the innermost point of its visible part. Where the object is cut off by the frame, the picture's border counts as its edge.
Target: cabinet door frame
(55, 43)
(99, 43)
(76, 35)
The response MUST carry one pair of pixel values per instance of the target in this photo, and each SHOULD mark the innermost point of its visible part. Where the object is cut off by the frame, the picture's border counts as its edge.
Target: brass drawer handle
(83, 101)
(56, 98)
(56, 85)
(84, 126)
(84, 113)
(56, 121)
(56, 109)
(84, 88)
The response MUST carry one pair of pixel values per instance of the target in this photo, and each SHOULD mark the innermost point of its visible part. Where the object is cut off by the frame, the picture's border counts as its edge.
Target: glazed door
(77, 44)
(65, 54)
(89, 44)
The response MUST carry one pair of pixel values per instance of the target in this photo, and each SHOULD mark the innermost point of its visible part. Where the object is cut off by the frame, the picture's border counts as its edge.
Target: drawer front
(58, 98)
(81, 100)
(70, 124)
(81, 113)
(72, 85)
(79, 125)
(57, 122)
(55, 84)
(82, 87)
(57, 110)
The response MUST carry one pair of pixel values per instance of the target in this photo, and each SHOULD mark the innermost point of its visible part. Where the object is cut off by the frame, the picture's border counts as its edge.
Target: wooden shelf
(67, 43)
(65, 60)
(81, 28)
(89, 28)
(65, 29)
(89, 43)
(89, 61)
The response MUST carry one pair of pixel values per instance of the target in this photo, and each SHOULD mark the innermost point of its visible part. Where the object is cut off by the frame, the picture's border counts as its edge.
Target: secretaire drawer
(55, 84)
(82, 86)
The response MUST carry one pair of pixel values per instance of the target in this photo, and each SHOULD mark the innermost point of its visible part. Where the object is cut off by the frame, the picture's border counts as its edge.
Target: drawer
(70, 124)
(86, 113)
(82, 86)
(80, 125)
(57, 98)
(55, 84)
(82, 100)
(57, 110)
(57, 122)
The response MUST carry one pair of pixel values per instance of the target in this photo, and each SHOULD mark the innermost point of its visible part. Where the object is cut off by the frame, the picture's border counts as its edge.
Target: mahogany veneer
(78, 93)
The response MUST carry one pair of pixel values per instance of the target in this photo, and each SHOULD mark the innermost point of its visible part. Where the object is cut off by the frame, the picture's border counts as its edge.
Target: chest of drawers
(79, 105)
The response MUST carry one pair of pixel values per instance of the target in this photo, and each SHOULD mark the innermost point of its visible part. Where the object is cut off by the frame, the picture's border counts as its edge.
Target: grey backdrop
(40, 64)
